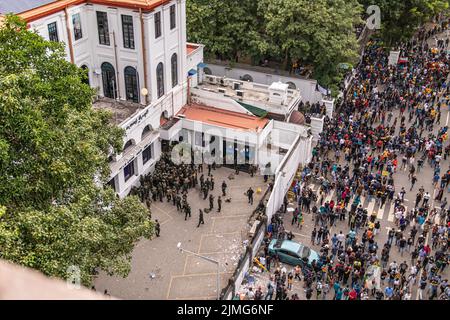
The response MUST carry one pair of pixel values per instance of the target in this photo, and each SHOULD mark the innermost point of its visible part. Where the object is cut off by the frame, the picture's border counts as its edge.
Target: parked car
(292, 252)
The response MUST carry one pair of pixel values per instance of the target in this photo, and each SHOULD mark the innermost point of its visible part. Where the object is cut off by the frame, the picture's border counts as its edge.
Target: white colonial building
(148, 76)
(137, 58)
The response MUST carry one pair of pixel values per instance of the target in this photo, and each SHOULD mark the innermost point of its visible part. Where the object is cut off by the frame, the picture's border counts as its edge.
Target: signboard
(393, 58)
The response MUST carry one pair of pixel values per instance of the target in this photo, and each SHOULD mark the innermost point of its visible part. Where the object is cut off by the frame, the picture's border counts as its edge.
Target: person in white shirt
(250, 294)
(341, 237)
(407, 295)
(393, 265)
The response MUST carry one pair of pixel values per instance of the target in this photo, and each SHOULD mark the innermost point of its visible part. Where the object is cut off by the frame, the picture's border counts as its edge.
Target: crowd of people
(388, 122)
(171, 182)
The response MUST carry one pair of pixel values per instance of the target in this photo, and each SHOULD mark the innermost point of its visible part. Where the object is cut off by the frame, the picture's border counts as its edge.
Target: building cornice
(54, 7)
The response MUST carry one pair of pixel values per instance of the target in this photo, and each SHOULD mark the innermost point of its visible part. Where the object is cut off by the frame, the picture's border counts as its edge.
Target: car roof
(287, 245)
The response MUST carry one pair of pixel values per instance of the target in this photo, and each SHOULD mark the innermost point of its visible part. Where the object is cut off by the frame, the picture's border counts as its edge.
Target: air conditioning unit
(221, 90)
(240, 93)
(211, 80)
(222, 81)
(236, 86)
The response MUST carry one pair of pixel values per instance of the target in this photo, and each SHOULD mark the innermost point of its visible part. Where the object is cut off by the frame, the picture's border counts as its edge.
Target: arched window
(148, 128)
(207, 71)
(85, 79)
(174, 65)
(131, 84)
(163, 118)
(160, 79)
(291, 85)
(109, 80)
(247, 77)
(128, 145)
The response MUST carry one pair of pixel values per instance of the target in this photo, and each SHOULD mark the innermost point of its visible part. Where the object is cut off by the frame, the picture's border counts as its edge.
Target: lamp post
(207, 259)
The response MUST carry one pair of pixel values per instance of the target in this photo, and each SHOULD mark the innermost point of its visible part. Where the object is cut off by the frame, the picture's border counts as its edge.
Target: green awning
(254, 110)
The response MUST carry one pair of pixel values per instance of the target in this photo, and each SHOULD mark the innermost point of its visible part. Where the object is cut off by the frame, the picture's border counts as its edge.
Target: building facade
(136, 57)
(151, 79)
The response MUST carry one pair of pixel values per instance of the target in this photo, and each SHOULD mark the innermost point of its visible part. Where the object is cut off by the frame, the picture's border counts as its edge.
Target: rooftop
(8, 6)
(222, 118)
(31, 10)
(121, 110)
(191, 48)
(254, 94)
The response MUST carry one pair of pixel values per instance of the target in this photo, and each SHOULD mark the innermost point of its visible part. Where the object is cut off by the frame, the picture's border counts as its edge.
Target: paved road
(160, 271)
(385, 214)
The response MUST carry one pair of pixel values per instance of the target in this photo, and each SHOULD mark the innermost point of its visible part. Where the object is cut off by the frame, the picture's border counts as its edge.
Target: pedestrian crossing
(380, 213)
(391, 214)
(370, 207)
(386, 212)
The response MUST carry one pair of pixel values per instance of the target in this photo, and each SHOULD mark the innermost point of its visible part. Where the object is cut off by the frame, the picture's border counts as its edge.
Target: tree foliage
(226, 28)
(400, 19)
(316, 32)
(53, 160)
(319, 33)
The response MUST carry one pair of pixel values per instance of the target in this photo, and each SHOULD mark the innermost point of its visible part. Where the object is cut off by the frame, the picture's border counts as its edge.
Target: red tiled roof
(51, 8)
(222, 118)
(191, 48)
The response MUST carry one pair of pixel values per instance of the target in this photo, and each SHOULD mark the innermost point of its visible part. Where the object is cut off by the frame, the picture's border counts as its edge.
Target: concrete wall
(192, 61)
(316, 127)
(299, 153)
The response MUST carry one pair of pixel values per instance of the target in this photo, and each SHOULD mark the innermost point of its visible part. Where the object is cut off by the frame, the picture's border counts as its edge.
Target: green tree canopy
(226, 28)
(53, 160)
(319, 33)
(400, 18)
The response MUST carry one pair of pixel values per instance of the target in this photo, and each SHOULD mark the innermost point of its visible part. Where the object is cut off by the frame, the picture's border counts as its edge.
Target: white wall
(299, 153)
(192, 61)
(316, 127)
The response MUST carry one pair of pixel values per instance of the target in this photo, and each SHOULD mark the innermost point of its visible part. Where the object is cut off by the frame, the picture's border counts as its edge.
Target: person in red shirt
(352, 295)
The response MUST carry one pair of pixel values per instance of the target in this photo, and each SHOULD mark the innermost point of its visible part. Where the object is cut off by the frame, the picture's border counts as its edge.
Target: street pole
(207, 259)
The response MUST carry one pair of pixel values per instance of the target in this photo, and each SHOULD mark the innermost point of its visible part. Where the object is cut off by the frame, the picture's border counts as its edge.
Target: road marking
(446, 123)
(380, 213)
(391, 214)
(370, 207)
(318, 192)
(329, 196)
(299, 234)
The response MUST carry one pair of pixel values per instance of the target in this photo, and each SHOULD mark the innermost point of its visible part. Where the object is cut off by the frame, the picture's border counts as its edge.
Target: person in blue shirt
(388, 292)
(338, 294)
(334, 239)
(336, 287)
(352, 234)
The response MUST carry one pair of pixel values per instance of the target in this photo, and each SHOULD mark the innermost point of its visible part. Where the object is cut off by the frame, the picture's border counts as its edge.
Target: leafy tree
(400, 19)
(320, 33)
(226, 28)
(53, 159)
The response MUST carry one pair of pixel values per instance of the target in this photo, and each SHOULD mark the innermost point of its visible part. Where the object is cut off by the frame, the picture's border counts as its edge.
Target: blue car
(292, 252)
